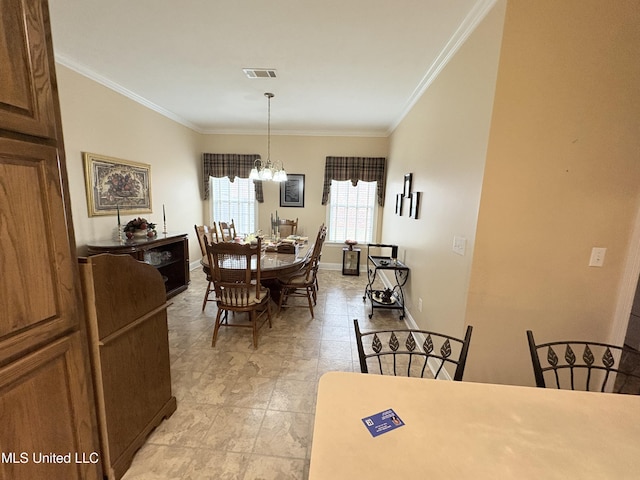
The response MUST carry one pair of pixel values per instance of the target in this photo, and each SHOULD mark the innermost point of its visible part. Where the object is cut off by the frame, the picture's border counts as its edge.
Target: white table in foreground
(463, 430)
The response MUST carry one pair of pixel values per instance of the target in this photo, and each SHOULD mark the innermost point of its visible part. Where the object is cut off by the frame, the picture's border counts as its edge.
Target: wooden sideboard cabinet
(126, 316)
(169, 253)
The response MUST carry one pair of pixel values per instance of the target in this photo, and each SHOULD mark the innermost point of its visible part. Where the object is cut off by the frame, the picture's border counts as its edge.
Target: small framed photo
(399, 198)
(114, 184)
(407, 185)
(415, 205)
(292, 191)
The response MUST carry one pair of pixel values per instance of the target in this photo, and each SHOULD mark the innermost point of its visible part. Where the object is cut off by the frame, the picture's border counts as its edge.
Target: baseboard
(410, 322)
(330, 266)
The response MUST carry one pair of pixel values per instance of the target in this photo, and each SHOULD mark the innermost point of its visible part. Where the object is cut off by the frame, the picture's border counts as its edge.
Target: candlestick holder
(164, 228)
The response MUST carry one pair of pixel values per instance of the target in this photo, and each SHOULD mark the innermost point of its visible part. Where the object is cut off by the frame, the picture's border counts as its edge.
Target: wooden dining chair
(411, 352)
(227, 231)
(583, 365)
(288, 227)
(211, 234)
(235, 271)
(304, 283)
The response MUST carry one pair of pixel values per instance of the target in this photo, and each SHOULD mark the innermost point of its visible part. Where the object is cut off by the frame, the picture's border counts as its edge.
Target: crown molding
(467, 26)
(90, 74)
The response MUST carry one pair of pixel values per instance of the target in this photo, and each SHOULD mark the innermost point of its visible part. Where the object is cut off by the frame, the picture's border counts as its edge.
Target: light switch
(459, 245)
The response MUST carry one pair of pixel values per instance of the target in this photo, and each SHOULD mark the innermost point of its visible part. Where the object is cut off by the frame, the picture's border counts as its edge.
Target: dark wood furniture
(168, 252)
(288, 227)
(303, 283)
(392, 297)
(227, 231)
(45, 383)
(274, 265)
(126, 312)
(211, 234)
(237, 285)
(581, 365)
(350, 261)
(410, 352)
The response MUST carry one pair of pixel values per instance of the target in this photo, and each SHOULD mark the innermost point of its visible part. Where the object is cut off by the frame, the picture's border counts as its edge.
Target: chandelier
(268, 170)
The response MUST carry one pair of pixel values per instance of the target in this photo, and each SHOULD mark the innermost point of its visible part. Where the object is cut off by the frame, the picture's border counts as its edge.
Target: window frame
(331, 234)
(238, 220)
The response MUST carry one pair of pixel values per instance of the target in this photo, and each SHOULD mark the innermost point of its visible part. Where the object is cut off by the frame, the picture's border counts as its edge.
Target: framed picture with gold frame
(114, 184)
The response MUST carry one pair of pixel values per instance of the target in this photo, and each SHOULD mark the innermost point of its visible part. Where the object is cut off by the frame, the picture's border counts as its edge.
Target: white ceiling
(345, 67)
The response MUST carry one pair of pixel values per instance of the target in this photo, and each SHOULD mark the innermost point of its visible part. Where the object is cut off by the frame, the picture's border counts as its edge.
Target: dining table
(274, 264)
(387, 427)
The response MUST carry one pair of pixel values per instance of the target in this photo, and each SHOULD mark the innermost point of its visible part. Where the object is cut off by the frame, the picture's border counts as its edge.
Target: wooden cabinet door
(47, 420)
(26, 99)
(46, 433)
(39, 285)
(45, 388)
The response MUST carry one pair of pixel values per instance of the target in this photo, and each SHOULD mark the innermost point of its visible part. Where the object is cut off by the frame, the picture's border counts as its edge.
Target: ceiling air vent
(259, 72)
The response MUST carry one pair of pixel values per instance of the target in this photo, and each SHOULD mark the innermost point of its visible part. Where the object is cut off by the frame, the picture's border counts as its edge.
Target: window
(352, 211)
(234, 201)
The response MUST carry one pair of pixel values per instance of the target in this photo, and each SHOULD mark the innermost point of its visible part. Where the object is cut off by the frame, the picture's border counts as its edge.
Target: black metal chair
(398, 351)
(582, 365)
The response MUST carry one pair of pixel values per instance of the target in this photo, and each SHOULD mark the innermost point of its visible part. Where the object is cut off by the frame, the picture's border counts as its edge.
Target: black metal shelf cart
(389, 298)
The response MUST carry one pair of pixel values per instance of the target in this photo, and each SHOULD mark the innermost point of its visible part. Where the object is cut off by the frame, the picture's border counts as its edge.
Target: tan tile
(262, 365)
(284, 434)
(234, 429)
(217, 465)
(251, 392)
(186, 427)
(203, 387)
(299, 368)
(294, 396)
(273, 468)
(335, 349)
(159, 462)
(335, 365)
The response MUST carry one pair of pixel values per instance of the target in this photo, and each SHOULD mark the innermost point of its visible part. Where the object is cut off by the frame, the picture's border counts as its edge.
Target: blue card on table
(382, 422)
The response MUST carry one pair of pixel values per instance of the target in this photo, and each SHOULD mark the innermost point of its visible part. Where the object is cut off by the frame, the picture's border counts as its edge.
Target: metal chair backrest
(412, 352)
(583, 365)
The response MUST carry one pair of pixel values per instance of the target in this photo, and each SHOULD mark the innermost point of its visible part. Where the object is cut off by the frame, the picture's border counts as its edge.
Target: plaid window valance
(368, 169)
(230, 165)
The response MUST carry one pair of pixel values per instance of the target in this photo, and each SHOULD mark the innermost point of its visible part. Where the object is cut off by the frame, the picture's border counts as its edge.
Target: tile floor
(245, 413)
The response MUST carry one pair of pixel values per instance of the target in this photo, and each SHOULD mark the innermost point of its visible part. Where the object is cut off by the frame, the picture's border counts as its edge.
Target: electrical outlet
(597, 257)
(419, 304)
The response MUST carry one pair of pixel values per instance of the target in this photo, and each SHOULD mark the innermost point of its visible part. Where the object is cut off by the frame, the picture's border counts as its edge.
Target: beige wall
(302, 155)
(562, 176)
(98, 120)
(443, 142)
(533, 178)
